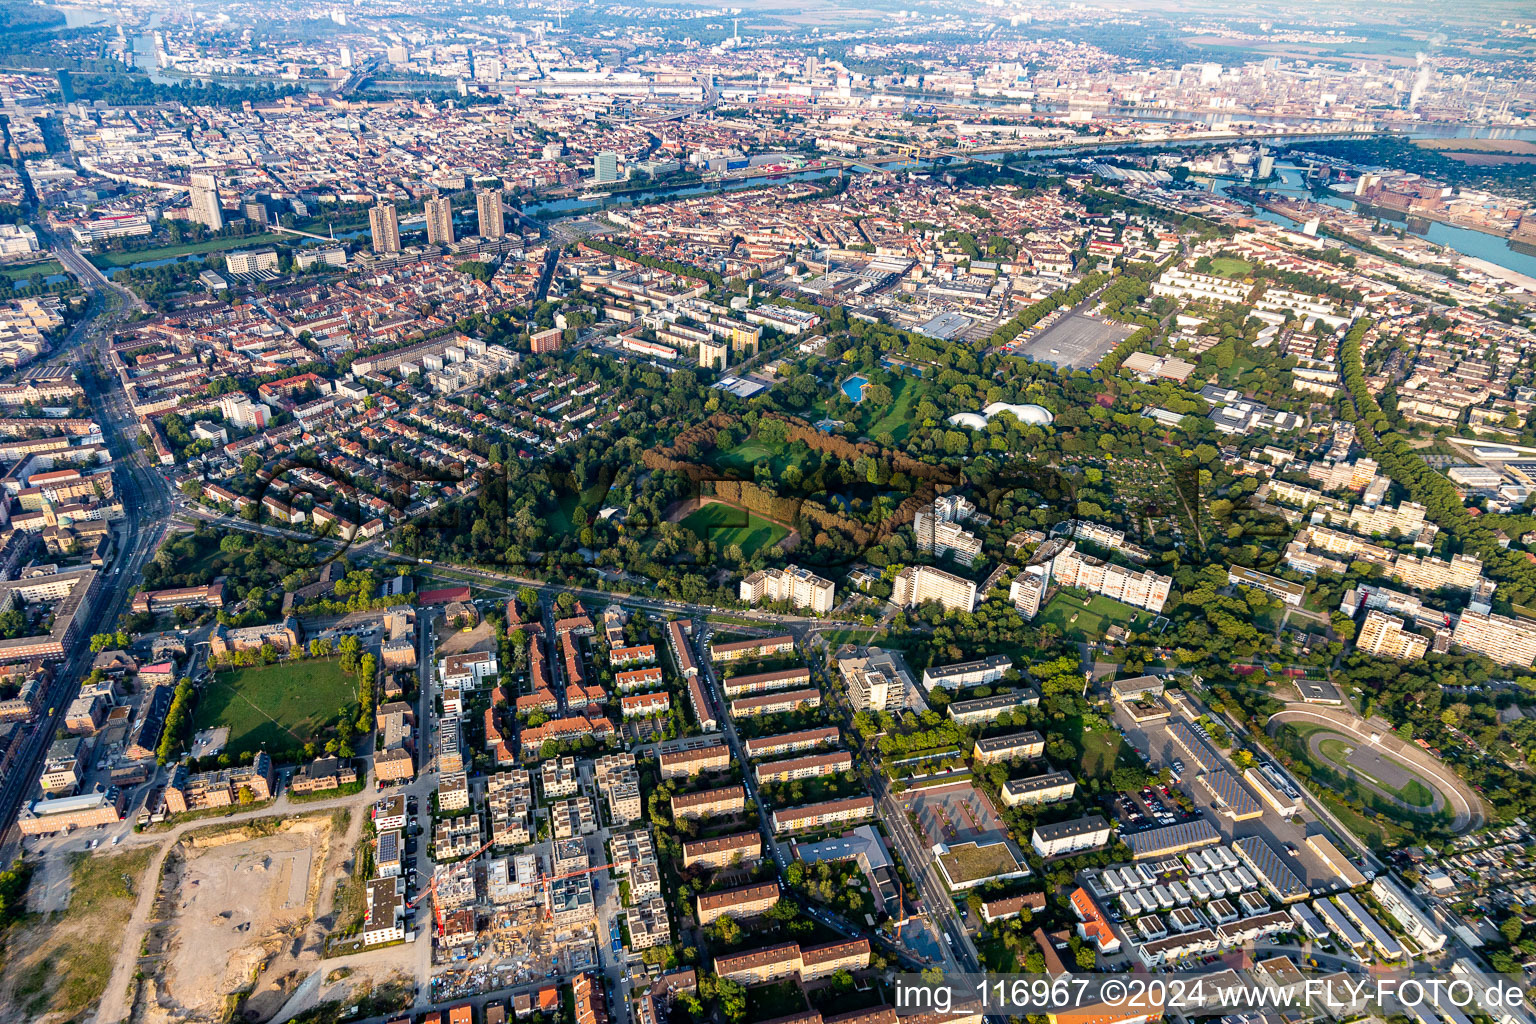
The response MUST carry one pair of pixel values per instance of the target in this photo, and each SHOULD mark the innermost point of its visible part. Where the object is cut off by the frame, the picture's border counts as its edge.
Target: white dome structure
(971, 420)
(1027, 415)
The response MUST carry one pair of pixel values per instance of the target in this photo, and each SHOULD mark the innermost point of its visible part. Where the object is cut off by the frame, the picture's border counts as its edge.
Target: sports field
(745, 457)
(1387, 774)
(281, 707)
(1344, 769)
(726, 524)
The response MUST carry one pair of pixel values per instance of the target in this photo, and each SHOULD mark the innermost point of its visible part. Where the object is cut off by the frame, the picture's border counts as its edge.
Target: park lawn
(1227, 266)
(1087, 619)
(727, 524)
(125, 259)
(996, 957)
(745, 456)
(776, 999)
(897, 417)
(835, 638)
(561, 518)
(1101, 750)
(23, 273)
(279, 707)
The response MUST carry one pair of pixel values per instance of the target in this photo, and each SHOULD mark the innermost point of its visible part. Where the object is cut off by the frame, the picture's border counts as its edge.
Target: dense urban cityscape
(633, 514)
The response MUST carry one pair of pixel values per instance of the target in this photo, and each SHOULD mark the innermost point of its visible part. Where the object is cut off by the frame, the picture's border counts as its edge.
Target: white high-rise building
(1027, 592)
(940, 537)
(240, 411)
(1508, 641)
(919, 583)
(206, 209)
(1382, 634)
(384, 223)
(800, 587)
(878, 680)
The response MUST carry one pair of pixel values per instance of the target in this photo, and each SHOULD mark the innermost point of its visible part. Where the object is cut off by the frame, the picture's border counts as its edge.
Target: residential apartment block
(709, 802)
(223, 788)
(919, 583)
(808, 767)
(1086, 833)
(878, 680)
(742, 903)
(764, 682)
(789, 959)
(1028, 744)
(690, 761)
(800, 587)
(774, 703)
(721, 851)
(791, 742)
(1050, 788)
(752, 648)
(1139, 589)
(1386, 635)
(967, 673)
(830, 812)
(1508, 641)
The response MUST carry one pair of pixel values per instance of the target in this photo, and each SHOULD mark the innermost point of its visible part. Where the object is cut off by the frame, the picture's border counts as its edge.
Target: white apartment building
(919, 583)
(967, 673)
(878, 680)
(1343, 476)
(1508, 641)
(384, 913)
(1417, 924)
(1027, 592)
(1384, 635)
(1462, 572)
(1179, 284)
(1089, 833)
(1098, 533)
(800, 587)
(1407, 519)
(1139, 589)
(239, 410)
(940, 537)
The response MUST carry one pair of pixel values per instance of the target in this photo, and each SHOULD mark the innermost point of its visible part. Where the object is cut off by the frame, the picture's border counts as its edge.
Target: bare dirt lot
(236, 907)
(56, 965)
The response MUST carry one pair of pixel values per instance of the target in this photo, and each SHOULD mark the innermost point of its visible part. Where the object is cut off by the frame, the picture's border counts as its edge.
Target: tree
(733, 999)
(349, 648)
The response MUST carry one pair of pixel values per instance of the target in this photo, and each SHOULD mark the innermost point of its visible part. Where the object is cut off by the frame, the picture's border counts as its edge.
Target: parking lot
(1075, 342)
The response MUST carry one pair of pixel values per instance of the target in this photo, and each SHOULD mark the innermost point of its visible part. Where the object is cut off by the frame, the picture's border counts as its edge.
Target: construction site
(513, 920)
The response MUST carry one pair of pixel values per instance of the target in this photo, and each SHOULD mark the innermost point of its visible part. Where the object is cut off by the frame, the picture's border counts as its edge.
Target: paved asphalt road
(145, 496)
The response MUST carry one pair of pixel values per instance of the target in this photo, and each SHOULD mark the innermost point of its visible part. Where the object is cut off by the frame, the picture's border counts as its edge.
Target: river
(1478, 244)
